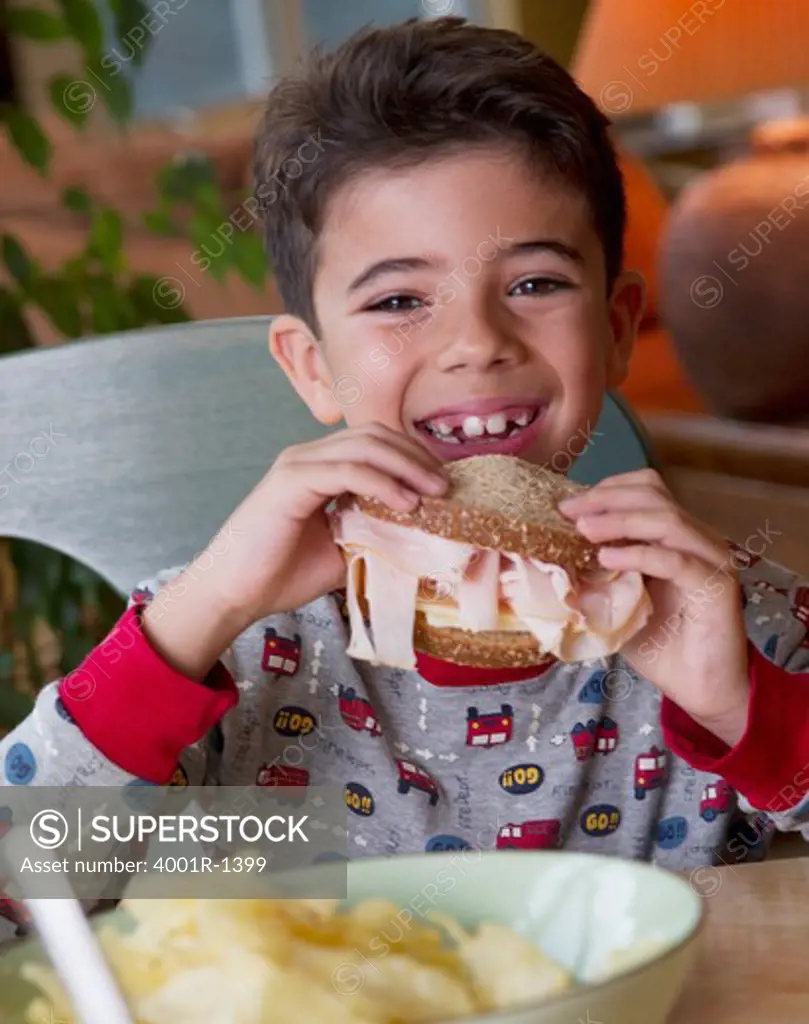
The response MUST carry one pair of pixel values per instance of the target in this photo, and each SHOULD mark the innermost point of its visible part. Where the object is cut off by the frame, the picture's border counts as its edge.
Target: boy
(451, 259)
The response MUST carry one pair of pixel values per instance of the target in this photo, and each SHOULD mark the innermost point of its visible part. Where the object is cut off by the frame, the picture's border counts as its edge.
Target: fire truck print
(650, 772)
(271, 775)
(413, 777)
(594, 737)
(282, 655)
(540, 834)
(492, 729)
(357, 712)
(717, 798)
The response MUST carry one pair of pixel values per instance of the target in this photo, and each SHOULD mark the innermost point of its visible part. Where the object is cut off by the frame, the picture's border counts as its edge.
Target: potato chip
(508, 970)
(267, 961)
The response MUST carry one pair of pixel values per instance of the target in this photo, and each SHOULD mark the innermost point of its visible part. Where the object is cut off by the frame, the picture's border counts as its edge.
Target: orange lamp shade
(635, 56)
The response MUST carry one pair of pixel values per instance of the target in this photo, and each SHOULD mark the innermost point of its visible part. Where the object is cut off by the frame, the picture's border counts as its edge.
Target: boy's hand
(279, 552)
(694, 648)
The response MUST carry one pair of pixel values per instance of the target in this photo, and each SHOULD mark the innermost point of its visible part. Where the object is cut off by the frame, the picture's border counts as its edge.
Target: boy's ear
(300, 355)
(627, 303)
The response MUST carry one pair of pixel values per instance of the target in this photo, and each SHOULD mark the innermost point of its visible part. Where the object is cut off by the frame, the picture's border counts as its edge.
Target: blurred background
(125, 146)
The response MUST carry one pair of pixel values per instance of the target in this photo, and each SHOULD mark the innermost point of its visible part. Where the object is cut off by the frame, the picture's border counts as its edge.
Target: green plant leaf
(129, 14)
(206, 235)
(60, 298)
(207, 199)
(19, 264)
(77, 200)
(75, 269)
(107, 238)
(159, 222)
(68, 101)
(84, 24)
(30, 141)
(32, 23)
(14, 332)
(143, 291)
(113, 88)
(112, 308)
(187, 176)
(250, 258)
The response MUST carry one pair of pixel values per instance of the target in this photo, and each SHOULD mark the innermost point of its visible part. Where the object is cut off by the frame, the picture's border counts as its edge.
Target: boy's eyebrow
(400, 263)
(388, 267)
(554, 245)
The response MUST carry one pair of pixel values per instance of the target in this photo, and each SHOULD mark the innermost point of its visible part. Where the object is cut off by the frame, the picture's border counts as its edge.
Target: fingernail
(437, 484)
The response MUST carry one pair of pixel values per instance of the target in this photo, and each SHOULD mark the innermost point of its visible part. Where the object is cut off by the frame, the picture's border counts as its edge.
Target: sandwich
(489, 575)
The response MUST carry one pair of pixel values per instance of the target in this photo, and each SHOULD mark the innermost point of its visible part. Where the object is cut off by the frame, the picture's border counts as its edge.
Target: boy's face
(463, 302)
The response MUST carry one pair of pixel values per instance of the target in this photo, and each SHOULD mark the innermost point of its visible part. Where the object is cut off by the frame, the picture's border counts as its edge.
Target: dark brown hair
(396, 96)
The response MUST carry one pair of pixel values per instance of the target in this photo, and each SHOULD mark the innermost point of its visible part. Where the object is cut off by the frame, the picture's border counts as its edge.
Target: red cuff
(770, 763)
(137, 710)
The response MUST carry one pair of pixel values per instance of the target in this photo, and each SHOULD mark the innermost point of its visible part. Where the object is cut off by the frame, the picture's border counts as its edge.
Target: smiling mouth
(480, 429)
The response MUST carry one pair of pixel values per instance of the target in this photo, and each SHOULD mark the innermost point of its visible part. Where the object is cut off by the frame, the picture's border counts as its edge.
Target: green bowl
(578, 908)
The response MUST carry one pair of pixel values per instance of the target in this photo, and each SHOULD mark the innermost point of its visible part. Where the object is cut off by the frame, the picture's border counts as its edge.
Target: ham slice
(391, 595)
(576, 617)
(478, 592)
(360, 645)
(580, 618)
(395, 558)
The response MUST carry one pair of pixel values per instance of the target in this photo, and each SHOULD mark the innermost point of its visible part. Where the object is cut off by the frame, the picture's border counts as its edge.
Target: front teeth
(473, 426)
(496, 425)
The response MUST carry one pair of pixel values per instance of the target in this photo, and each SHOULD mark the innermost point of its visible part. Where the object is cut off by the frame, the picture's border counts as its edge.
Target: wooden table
(752, 965)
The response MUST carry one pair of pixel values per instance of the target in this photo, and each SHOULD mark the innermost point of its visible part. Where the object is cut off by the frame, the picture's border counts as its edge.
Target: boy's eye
(539, 286)
(397, 304)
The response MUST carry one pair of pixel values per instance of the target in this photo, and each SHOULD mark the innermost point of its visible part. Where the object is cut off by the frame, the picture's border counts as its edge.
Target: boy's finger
(686, 571)
(408, 443)
(644, 478)
(334, 478)
(608, 499)
(376, 433)
(398, 464)
(651, 525)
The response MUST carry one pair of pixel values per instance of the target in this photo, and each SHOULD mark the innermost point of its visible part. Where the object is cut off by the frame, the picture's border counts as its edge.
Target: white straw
(69, 941)
(77, 957)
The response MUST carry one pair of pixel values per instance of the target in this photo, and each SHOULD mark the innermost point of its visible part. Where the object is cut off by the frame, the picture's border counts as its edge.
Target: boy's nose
(480, 344)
